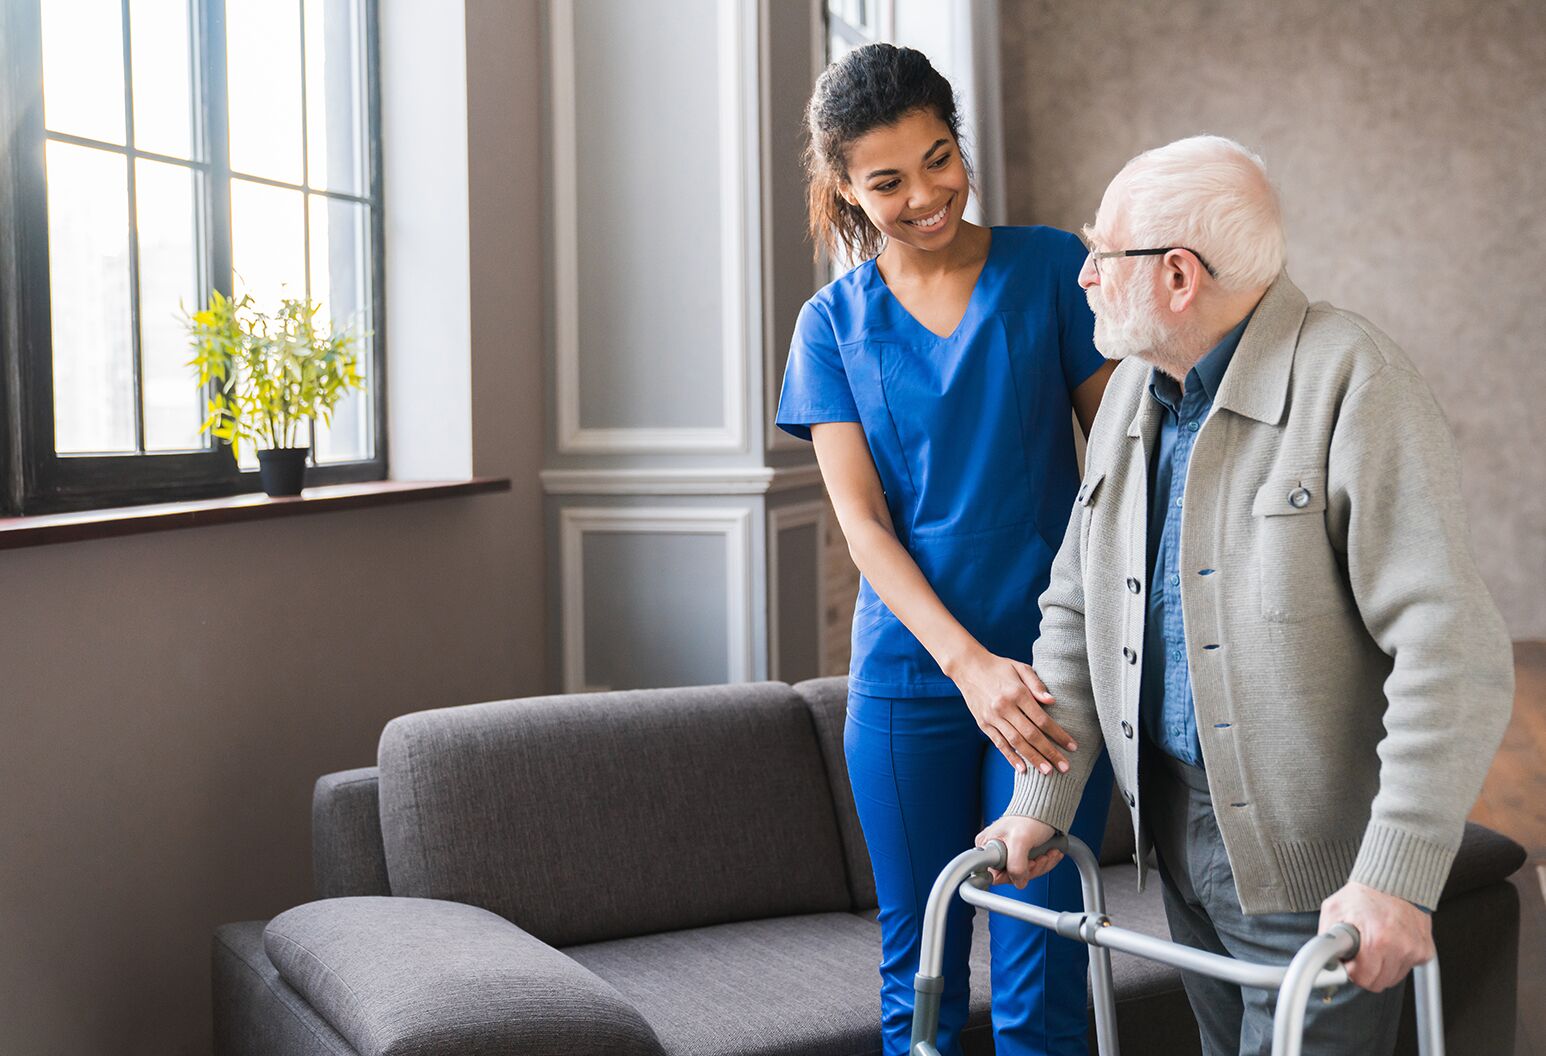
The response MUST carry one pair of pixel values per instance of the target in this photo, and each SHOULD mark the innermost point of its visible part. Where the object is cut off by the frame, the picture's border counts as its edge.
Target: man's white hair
(1212, 196)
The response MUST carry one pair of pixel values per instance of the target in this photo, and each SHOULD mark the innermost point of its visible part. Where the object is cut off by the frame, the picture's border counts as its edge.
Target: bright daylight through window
(181, 146)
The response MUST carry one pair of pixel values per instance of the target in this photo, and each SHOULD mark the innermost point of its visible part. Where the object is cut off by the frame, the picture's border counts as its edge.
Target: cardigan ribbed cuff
(1399, 863)
(1052, 798)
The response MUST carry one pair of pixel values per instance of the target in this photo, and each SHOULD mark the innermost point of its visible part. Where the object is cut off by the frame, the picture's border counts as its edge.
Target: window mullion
(214, 127)
(137, 374)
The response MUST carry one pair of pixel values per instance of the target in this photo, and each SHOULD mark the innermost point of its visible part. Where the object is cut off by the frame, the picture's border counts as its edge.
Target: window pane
(268, 243)
(263, 71)
(83, 68)
(88, 275)
(340, 284)
(169, 285)
(163, 93)
(335, 96)
(268, 253)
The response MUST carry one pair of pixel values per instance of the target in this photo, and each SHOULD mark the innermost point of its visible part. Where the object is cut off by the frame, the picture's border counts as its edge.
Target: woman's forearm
(900, 583)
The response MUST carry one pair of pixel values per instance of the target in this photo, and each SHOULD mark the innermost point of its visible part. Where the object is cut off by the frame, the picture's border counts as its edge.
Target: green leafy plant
(267, 374)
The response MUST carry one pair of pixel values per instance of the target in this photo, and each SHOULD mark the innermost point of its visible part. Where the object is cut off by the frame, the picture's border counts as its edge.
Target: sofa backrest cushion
(346, 854)
(596, 816)
(828, 700)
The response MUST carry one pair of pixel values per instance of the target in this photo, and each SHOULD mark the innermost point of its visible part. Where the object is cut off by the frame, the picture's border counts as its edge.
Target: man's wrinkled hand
(1021, 835)
(1394, 935)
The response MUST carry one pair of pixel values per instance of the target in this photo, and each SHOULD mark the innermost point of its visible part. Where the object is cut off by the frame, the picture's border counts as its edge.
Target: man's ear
(1183, 276)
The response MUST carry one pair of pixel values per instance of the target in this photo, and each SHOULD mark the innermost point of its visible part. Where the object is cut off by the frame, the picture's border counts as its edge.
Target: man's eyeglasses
(1097, 256)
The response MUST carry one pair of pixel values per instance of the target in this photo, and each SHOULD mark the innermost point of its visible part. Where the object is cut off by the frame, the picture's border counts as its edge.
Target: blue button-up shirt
(1165, 695)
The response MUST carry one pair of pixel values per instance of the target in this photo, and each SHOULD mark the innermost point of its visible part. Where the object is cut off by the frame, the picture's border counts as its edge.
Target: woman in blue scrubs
(936, 381)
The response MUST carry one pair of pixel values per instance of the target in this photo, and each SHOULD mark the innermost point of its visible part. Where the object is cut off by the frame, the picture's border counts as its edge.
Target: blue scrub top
(970, 434)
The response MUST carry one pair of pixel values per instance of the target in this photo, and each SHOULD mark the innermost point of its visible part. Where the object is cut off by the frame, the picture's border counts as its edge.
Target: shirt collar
(1208, 371)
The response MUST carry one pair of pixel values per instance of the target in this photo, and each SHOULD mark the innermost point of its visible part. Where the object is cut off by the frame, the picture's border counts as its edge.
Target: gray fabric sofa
(667, 871)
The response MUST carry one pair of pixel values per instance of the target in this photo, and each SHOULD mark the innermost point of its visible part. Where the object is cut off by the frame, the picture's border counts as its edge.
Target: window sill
(45, 529)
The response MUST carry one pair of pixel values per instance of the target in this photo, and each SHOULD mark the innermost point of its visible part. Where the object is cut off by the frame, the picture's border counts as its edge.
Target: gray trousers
(1204, 911)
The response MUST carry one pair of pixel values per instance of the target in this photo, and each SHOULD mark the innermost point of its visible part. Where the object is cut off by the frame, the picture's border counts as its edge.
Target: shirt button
(1128, 655)
(1175, 580)
(1175, 655)
(1299, 498)
(1191, 426)
(1127, 730)
(1178, 503)
(1132, 585)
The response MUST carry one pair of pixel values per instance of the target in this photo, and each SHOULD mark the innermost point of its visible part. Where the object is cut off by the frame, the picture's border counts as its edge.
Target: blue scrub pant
(925, 781)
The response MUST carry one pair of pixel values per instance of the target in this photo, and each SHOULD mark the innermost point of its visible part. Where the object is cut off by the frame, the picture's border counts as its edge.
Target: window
(854, 23)
(162, 148)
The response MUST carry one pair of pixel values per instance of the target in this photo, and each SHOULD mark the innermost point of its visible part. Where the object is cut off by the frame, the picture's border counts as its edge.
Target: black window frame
(33, 477)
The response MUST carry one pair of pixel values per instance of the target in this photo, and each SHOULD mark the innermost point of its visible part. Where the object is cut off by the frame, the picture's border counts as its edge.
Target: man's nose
(1088, 276)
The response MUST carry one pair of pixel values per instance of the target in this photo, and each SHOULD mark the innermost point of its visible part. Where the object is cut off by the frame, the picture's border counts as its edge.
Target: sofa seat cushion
(415, 977)
(806, 984)
(811, 984)
(595, 816)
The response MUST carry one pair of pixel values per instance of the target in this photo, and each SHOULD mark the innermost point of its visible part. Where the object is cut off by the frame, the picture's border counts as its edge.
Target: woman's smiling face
(910, 180)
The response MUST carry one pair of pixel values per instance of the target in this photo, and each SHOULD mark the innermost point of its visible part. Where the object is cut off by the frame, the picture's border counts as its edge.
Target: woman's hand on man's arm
(1007, 698)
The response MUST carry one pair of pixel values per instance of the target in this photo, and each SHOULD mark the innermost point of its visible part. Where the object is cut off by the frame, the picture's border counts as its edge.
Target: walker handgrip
(1352, 933)
(1001, 851)
(1057, 843)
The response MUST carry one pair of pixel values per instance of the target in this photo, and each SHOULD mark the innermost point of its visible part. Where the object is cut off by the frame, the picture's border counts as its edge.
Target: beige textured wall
(1408, 141)
(166, 701)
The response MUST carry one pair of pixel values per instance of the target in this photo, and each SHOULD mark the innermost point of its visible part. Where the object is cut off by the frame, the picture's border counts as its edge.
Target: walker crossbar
(1316, 965)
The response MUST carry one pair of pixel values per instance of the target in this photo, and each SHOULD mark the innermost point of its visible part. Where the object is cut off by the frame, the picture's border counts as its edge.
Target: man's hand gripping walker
(1317, 965)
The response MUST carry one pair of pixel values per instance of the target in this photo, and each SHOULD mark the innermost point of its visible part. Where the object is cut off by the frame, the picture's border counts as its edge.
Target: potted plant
(267, 375)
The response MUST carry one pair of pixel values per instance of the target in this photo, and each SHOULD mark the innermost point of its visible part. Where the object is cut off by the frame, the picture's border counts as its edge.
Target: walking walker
(1315, 966)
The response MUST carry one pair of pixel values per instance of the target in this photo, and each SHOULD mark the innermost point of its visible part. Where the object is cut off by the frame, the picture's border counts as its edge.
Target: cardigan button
(1133, 585)
(1131, 802)
(1299, 498)
(1127, 730)
(1128, 655)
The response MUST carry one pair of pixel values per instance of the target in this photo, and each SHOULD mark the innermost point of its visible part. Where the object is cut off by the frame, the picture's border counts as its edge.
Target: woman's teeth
(933, 220)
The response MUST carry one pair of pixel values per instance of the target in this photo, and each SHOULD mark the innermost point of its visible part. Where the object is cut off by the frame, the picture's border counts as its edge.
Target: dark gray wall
(1409, 144)
(166, 701)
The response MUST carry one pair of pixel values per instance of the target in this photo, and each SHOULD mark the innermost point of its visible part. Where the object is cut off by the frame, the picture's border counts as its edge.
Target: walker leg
(1318, 953)
(1430, 1009)
(929, 983)
(1102, 988)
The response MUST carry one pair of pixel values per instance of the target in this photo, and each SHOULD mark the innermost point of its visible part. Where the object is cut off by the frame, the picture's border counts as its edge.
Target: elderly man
(1265, 604)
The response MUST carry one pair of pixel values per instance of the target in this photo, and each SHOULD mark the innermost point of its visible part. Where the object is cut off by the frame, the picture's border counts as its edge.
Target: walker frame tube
(1315, 966)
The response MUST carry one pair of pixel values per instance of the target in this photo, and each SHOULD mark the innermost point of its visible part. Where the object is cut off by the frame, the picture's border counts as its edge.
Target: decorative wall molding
(650, 480)
(656, 481)
(576, 522)
(781, 519)
(789, 478)
(736, 82)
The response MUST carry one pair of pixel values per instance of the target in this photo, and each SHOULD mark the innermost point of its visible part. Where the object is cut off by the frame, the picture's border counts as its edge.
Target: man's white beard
(1130, 325)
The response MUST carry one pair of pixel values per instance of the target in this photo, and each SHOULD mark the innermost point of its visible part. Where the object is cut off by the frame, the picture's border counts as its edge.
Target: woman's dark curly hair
(871, 87)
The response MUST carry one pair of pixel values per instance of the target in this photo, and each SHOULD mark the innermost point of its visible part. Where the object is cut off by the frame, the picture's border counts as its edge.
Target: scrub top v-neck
(970, 435)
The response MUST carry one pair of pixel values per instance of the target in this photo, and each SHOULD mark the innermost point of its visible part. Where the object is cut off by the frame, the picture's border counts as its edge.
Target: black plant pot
(283, 470)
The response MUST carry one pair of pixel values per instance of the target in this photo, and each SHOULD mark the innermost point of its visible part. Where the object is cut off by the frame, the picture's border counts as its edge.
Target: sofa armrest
(422, 977)
(1485, 857)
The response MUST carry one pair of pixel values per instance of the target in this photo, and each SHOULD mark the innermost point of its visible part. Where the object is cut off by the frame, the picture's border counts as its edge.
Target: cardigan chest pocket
(1300, 575)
